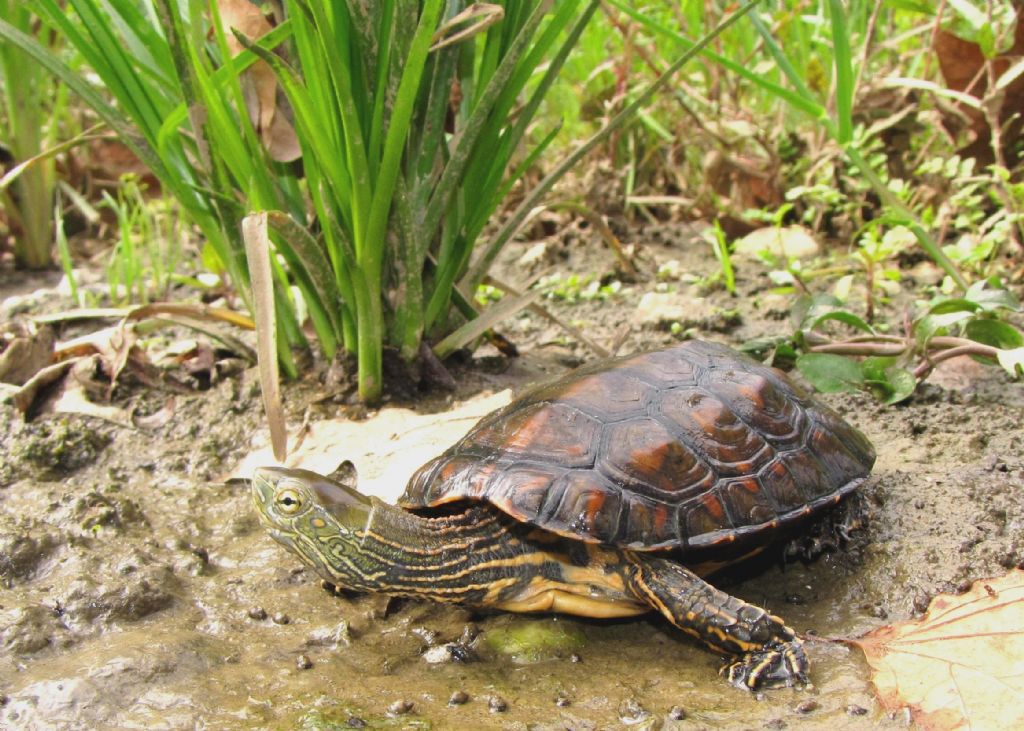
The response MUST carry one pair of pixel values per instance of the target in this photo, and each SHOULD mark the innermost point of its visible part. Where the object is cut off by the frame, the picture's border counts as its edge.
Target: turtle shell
(685, 448)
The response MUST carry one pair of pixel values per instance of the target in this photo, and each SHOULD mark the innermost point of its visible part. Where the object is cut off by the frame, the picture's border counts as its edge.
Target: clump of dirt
(140, 590)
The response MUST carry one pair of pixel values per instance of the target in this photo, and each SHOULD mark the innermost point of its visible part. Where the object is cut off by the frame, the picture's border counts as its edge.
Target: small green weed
(892, 365)
(574, 288)
(148, 249)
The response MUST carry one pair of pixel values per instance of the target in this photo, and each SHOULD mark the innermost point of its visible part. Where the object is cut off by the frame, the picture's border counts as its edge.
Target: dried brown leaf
(963, 67)
(259, 82)
(961, 666)
(24, 351)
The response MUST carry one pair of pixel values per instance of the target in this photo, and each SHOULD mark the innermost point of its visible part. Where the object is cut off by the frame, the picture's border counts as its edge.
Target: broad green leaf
(888, 382)
(830, 373)
(992, 297)
(809, 307)
(973, 16)
(875, 368)
(996, 333)
(953, 304)
(847, 318)
(843, 287)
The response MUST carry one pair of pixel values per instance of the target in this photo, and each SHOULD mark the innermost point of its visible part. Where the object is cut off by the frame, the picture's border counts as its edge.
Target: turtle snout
(263, 485)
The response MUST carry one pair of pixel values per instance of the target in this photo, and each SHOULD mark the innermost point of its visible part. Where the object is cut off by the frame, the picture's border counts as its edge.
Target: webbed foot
(778, 664)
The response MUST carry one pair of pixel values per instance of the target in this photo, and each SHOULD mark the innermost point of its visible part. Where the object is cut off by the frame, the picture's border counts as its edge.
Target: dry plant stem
(869, 35)
(992, 105)
(597, 221)
(938, 349)
(925, 367)
(877, 349)
(645, 56)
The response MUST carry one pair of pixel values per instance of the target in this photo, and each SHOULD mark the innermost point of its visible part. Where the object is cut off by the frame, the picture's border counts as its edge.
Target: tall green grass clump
(31, 108)
(409, 116)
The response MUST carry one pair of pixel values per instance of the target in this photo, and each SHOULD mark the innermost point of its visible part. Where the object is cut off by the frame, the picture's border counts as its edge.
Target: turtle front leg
(768, 652)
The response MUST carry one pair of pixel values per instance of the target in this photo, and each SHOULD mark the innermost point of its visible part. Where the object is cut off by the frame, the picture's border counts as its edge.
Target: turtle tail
(766, 651)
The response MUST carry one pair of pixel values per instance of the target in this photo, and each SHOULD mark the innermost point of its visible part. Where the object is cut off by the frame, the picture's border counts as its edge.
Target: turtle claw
(778, 664)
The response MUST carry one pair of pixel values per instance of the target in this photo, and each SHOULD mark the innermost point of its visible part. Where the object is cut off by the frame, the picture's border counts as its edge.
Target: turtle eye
(289, 501)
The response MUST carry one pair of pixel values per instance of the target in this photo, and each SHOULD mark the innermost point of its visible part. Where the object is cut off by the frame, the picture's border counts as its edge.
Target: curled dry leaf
(961, 666)
(25, 349)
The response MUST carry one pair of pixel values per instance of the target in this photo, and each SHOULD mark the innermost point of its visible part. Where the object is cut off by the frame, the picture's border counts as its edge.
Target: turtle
(610, 492)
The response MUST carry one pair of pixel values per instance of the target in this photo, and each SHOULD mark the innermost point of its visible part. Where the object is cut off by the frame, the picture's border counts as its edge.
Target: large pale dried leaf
(385, 449)
(961, 666)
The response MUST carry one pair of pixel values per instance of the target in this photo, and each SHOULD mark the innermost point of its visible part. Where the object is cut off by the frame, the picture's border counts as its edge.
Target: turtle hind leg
(768, 652)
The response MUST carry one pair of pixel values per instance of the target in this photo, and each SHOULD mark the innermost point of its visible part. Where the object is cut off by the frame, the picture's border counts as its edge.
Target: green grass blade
(483, 262)
(808, 105)
(398, 127)
(109, 114)
(478, 119)
(845, 75)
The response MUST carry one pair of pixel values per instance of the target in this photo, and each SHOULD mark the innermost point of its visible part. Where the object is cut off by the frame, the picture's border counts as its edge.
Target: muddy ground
(139, 591)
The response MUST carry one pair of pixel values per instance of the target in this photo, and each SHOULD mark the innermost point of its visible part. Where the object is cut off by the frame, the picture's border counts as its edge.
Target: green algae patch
(59, 447)
(530, 641)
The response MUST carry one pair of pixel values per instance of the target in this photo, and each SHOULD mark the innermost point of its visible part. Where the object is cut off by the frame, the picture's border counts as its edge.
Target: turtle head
(319, 518)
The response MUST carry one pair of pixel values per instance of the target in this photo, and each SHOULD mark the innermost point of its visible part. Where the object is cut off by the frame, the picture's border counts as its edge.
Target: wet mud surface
(139, 590)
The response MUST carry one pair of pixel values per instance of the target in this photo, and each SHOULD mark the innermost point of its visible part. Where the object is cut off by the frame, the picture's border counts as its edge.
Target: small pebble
(458, 698)
(355, 722)
(677, 713)
(854, 710)
(460, 652)
(281, 618)
(302, 662)
(497, 704)
(400, 708)
(257, 613)
(632, 713)
(807, 706)
(562, 701)
(427, 635)
(775, 723)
